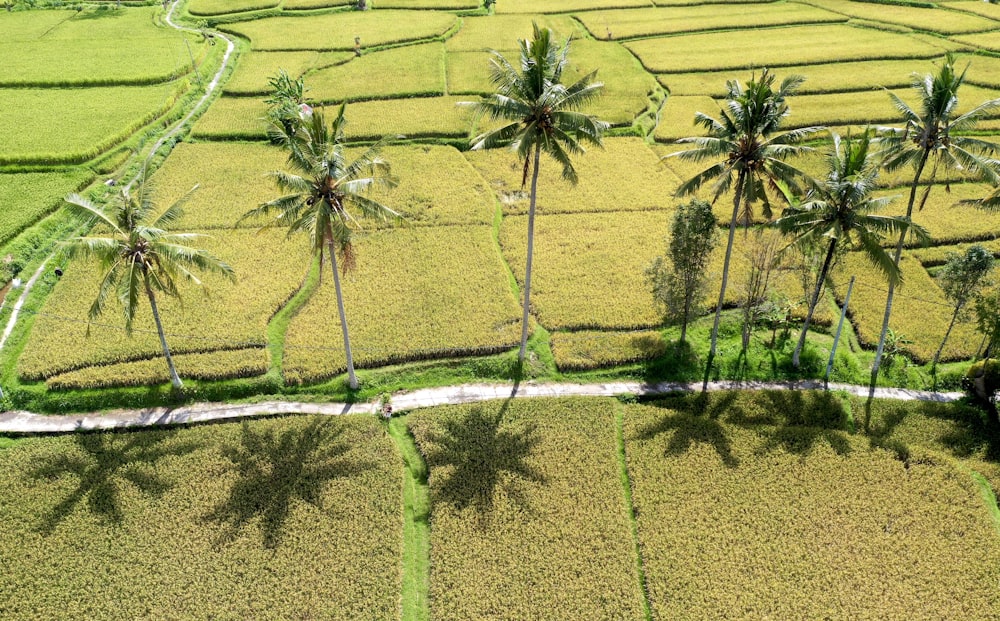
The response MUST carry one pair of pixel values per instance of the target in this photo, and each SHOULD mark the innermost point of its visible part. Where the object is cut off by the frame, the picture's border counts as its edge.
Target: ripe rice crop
(943, 216)
(584, 350)
(938, 255)
(413, 70)
(828, 78)
(566, 6)
(441, 5)
(415, 117)
(502, 32)
(295, 5)
(27, 197)
(939, 20)
(207, 366)
(677, 117)
(658, 21)
(269, 269)
(604, 183)
(529, 517)
(794, 45)
(233, 118)
(408, 298)
(986, 9)
(986, 40)
(920, 312)
(589, 269)
(254, 68)
(28, 26)
(299, 517)
(26, 137)
(336, 31)
(221, 7)
(737, 508)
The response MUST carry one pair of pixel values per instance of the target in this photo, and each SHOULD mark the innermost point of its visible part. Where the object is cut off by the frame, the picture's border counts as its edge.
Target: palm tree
(139, 254)
(540, 114)
(745, 143)
(325, 195)
(842, 210)
(933, 132)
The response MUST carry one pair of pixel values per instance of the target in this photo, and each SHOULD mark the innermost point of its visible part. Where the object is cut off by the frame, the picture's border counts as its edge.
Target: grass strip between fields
(416, 526)
(630, 509)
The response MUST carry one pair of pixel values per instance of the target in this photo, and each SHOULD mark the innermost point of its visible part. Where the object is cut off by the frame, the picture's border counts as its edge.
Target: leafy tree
(932, 132)
(286, 106)
(678, 280)
(841, 209)
(763, 255)
(325, 195)
(745, 145)
(988, 322)
(140, 255)
(539, 113)
(961, 278)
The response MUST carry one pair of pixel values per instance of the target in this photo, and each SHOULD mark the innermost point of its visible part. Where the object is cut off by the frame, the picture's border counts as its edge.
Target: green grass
(647, 22)
(336, 31)
(414, 70)
(759, 494)
(268, 267)
(95, 47)
(27, 197)
(408, 299)
(300, 516)
(795, 45)
(221, 7)
(27, 136)
(514, 534)
(416, 525)
(254, 68)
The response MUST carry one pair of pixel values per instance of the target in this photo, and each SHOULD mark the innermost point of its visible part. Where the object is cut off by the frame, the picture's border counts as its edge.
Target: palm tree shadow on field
(696, 422)
(483, 458)
(104, 465)
(276, 469)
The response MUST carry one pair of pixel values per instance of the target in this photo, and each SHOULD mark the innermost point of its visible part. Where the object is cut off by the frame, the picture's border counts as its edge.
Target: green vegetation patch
(528, 517)
(336, 31)
(590, 349)
(94, 48)
(269, 269)
(938, 20)
(736, 494)
(213, 365)
(625, 174)
(254, 68)
(920, 312)
(413, 70)
(301, 517)
(27, 197)
(28, 26)
(233, 118)
(408, 299)
(796, 45)
(221, 7)
(659, 21)
(27, 136)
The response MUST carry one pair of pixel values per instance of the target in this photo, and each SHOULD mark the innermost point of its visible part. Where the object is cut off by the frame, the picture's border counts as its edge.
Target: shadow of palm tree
(695, 421)
(105, 463)
(275, 470)
(795, 421)
(483, 457)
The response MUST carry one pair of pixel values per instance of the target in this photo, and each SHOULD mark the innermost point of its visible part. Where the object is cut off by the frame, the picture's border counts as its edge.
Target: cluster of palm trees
(532, 112)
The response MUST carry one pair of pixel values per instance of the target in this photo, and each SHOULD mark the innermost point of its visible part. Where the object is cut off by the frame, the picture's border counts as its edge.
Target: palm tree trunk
(531, 250)
(351, 378)
(812, 303)
(174, 378)
(725, 272)
(937, 354)
(892, 285)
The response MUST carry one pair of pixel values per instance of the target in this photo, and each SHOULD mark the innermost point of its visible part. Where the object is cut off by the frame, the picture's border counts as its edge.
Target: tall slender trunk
(174, 378)
(812, 303)
(687, 313)
(954, 318)
(892, 285)
(741, 179)
(531, 251)
(352, 379)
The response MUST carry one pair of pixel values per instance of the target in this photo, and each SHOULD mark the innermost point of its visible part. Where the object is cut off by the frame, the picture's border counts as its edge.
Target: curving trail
(30, 423)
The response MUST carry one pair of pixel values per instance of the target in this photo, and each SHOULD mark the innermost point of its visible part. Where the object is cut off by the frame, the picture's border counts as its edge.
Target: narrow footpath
(18, 422)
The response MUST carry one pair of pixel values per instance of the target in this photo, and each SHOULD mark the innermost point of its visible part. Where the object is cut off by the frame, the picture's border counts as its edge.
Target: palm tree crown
(139, 254)
(539, 113)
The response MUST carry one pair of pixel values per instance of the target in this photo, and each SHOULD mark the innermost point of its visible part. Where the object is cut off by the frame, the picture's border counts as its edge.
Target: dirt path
(29, 423)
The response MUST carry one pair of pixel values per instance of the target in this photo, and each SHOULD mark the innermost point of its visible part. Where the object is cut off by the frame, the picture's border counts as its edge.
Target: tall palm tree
(933, 133)
(325, 196)
(540, 114)
(745, 144)
(842, 210)
(140, 255)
